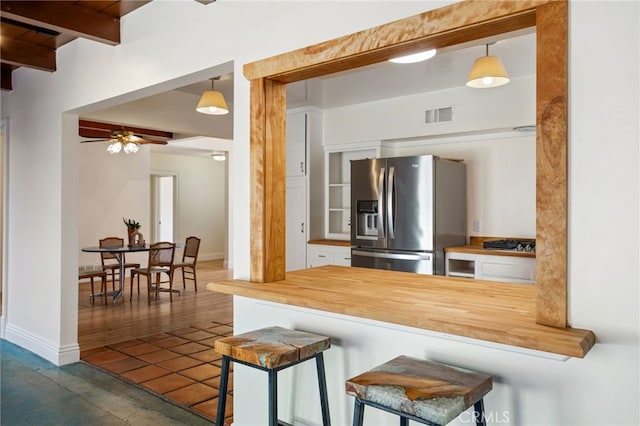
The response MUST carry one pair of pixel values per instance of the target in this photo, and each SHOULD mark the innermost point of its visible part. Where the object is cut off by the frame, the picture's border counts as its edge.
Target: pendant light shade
(212, 102)
(487, 72)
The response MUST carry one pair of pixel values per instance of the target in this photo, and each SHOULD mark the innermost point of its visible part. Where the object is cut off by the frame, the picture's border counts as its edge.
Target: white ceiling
(201, 134)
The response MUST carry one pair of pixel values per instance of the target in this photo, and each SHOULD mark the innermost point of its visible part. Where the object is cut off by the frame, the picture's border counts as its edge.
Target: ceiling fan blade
(97, 140)
(144, 141)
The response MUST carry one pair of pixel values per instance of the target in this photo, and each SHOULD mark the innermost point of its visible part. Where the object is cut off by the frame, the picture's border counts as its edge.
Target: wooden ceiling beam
(5, 77)
(96, 129)
(65, 17)
(18, 53)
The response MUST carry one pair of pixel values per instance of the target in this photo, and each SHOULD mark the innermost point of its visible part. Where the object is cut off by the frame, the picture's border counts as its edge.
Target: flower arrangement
(131, 224)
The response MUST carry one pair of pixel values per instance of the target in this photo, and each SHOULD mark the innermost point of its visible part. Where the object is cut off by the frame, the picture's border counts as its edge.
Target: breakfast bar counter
(501, 313)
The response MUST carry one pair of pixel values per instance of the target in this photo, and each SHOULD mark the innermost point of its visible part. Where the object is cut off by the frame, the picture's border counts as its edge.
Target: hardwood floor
(100, 325)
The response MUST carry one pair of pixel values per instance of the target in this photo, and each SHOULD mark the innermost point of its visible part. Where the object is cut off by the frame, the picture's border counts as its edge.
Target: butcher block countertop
(486, 310)
(341, 243)
(473, 249)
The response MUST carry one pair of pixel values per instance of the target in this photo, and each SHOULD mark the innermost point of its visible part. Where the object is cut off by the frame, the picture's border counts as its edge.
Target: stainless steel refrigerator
(405, 211)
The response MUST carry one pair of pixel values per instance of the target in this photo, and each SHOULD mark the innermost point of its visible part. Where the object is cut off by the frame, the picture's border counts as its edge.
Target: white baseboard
(59, 355)
(211, 256)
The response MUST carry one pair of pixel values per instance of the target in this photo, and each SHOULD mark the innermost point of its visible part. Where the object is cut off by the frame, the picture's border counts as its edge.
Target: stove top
(514, 245)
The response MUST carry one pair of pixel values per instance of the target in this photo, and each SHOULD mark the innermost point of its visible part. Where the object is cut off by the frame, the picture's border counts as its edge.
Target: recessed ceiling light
(415, 57)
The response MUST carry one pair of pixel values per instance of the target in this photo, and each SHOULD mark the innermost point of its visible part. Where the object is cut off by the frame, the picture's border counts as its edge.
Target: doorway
(163, 196)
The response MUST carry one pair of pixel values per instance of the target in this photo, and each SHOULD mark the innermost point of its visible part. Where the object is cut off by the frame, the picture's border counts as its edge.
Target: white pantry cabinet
(305, 184)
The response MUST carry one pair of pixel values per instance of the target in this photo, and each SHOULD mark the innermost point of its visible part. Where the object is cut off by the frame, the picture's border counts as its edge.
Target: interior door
(162, 206)
(296, 241)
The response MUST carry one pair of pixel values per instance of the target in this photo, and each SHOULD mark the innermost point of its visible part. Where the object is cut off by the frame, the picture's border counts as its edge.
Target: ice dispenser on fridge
(367, 219)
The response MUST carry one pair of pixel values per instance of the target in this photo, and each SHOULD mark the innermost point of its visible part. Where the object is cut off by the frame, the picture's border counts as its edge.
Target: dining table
(119, 253)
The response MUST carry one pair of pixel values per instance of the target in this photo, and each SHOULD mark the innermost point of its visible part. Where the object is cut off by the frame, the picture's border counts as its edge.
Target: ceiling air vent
(438, 115)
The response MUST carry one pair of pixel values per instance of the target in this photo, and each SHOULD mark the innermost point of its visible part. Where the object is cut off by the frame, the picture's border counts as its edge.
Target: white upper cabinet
(297, 136)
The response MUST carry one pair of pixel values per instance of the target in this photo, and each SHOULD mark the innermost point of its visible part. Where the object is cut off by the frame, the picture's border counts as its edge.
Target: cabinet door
(342, 256)
(517, 270)
(296, 144)
(296, 240)
(319, 255)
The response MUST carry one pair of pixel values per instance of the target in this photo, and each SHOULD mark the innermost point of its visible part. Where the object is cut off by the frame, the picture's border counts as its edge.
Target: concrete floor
(35, 392)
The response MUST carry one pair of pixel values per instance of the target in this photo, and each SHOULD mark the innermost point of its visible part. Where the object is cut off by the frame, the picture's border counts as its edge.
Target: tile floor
(179, 365)
(36, 392)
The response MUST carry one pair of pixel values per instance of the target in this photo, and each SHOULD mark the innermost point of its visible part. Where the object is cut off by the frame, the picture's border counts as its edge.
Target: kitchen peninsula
(495, 312)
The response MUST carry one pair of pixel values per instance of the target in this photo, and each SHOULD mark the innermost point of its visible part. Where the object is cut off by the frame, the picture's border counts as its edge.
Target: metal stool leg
(222, 396)
(273, 398)
(358, 413)
(478, 409)
(322, 383)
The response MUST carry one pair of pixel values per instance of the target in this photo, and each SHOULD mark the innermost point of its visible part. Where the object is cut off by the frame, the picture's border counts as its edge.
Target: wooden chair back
(161, 254)
(191, 248)
(110, 242)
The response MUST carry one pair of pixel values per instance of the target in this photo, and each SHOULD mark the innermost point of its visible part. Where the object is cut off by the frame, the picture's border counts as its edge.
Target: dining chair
(160, 261)
(110, 261)
(189, 259)
(90, 274)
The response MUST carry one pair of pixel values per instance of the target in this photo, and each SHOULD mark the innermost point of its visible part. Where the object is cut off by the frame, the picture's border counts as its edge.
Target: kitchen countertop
(341, 243)
(493, 312)
(478, 249)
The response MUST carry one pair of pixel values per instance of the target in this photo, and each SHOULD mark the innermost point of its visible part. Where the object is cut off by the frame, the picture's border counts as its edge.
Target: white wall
(111, 187)
(601, 389)
(115, 186)
(42, 204)
(200, 199)
(501, 181)
(474, 111)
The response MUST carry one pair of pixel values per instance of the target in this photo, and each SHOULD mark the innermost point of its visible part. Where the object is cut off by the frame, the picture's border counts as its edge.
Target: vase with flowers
(135, 237)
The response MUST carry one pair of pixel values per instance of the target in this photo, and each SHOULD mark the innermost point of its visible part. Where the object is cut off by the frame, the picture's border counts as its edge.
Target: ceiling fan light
(114, 148)
(212, 102)
(487, 71)
(131, 148)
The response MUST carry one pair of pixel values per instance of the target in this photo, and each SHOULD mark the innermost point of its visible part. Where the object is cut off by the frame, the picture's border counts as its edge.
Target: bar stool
(272, 349)
(419, 390)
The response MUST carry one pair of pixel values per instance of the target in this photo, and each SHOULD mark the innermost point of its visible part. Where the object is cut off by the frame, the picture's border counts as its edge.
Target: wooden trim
(447, 26)
(268, 177)
(551, 165)
(257, 181)
(457, 23)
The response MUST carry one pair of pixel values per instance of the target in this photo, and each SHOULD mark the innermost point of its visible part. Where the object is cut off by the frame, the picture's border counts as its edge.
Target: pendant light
(212, 102)
(487, 71)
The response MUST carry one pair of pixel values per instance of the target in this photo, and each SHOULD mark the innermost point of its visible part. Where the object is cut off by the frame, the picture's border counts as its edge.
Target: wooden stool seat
(419, 390)
(272, 349)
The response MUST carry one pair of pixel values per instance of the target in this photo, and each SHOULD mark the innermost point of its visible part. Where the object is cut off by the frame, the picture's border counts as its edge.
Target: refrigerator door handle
(390, 192)
(401, 256)
(380, 204)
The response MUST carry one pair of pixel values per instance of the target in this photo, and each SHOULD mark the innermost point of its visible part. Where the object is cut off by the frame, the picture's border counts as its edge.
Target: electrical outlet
(476, 225)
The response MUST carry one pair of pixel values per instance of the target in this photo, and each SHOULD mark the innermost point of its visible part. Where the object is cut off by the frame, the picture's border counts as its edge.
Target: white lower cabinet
(513, 269)
(323, 254)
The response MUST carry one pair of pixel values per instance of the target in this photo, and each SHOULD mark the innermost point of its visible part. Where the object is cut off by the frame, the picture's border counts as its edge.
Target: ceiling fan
(119, 139)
